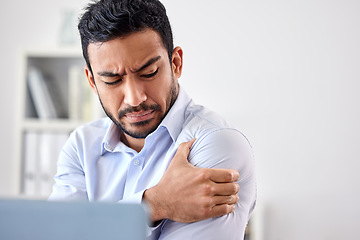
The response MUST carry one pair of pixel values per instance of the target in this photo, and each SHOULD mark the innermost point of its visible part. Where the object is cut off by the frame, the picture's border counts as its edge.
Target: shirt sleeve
(226, 148)
(70, 177)
(74, 179)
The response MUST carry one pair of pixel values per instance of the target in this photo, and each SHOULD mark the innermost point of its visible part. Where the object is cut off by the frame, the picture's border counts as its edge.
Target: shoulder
(200, 121)
(222, 148)
(87, 136)
(95, 128)
(101, 124)
(218, 144)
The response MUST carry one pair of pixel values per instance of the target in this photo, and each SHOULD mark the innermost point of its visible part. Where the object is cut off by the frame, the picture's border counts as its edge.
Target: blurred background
(285, 72)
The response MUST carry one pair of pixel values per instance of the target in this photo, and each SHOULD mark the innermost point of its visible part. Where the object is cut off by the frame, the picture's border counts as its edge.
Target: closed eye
(151, 74)
(113, 83)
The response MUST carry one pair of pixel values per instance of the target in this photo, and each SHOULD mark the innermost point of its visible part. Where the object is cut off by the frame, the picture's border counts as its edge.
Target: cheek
(160, 94)
(111, 100)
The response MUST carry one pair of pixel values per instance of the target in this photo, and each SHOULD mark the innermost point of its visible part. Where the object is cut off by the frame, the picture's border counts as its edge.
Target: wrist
(157, 212)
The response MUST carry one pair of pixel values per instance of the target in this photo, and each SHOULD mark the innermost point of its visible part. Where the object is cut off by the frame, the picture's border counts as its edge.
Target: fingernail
(237, 187)
(235, 175)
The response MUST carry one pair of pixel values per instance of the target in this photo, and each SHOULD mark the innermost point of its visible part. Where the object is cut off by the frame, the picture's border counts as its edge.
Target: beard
(144, 126)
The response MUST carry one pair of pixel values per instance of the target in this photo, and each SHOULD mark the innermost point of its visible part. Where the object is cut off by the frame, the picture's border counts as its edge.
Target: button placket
(133, 175)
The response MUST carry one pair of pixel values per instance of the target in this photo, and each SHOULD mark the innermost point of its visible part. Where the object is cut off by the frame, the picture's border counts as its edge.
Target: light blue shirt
(95, 165)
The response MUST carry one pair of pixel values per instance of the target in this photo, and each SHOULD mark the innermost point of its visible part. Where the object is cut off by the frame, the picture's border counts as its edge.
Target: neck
(135, 143)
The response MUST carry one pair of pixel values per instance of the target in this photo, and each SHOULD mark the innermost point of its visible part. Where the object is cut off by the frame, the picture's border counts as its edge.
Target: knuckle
(208, 189)
(230, 199)
(208, 203)
(203, 174)
(205, 211)
(230, 208)
(233, 199)
(205, 206)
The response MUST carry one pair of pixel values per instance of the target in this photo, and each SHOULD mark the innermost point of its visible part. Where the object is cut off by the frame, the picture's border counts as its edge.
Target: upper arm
(228, 149)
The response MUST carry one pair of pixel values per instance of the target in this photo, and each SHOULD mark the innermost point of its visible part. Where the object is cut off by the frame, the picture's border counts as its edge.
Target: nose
(134, 94)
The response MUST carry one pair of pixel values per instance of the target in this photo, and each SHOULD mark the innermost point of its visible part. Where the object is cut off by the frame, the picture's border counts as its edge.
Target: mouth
(141, 116)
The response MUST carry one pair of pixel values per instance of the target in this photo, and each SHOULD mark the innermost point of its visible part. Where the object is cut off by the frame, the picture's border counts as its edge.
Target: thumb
(183, 151)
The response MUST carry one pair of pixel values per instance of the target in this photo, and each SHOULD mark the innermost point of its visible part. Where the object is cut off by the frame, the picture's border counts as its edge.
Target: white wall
(287, 73)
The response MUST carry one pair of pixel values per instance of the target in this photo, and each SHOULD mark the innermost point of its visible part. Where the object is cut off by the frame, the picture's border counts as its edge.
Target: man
(141, 151)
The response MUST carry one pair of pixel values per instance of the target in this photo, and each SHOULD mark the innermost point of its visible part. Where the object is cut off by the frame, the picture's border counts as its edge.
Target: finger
(223, 175)
(225, 189)
(222, 209)
(190, 143)
(184, 149)
(232, 199)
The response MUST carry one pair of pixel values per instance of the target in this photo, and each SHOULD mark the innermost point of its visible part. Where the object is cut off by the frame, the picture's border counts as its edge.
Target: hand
(187, 193)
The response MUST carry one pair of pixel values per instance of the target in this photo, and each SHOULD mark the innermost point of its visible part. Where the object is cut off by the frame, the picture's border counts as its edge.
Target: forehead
(129, 51)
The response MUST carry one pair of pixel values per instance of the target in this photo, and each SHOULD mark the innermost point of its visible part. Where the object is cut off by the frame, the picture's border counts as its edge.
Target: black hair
(106, 20)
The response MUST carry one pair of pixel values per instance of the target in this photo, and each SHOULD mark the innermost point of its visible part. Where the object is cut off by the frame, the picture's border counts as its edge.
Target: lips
(139, 116)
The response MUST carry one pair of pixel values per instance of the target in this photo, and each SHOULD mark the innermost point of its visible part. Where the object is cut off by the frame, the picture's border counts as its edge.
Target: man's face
(134, 80)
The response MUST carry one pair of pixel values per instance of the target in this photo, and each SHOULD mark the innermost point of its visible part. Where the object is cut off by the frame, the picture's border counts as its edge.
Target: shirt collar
(174, 119)
(111, 138)
(173, 122)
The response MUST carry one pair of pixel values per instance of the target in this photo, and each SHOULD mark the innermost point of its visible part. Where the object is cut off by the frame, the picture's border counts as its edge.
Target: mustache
(141, 107)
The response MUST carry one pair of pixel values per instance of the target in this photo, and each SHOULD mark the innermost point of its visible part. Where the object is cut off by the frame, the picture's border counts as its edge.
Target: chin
(140, 129)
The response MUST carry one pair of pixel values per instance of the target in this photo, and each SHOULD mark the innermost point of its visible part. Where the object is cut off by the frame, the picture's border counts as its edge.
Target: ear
(177, 62)
(90, 79)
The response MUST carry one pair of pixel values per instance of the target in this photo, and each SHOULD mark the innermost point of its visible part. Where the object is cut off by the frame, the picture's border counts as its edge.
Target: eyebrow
(148, 63)
(112, 74)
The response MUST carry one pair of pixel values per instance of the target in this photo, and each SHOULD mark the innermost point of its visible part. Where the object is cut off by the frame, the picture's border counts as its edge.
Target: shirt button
(136, 162)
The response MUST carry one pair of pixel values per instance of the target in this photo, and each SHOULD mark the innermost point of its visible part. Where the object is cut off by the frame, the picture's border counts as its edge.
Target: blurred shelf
(50, 125)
